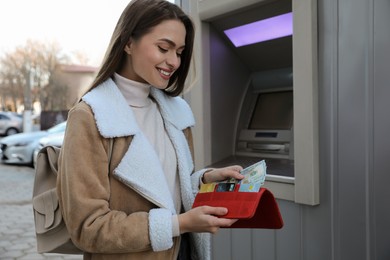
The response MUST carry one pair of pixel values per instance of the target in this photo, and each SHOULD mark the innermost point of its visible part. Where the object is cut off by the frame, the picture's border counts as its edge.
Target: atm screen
(273, 110)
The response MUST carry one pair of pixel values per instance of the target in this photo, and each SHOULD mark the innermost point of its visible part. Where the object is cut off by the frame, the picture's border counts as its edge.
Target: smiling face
(155, 56)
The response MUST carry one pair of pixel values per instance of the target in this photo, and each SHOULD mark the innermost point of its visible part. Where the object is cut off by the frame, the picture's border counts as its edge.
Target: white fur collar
(114, 118)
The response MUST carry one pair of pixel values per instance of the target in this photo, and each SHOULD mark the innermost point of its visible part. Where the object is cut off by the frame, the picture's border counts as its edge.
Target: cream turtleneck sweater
(151, 124)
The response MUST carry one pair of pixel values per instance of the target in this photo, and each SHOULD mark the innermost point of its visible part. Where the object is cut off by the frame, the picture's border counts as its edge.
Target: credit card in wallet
(225, 186)
(254, 177)
(207, 187)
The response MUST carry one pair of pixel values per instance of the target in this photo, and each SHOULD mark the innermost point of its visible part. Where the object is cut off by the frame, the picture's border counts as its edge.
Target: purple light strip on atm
(260, 31)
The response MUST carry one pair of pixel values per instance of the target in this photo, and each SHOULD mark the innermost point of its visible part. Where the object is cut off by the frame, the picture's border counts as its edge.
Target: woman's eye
(162, 49)
(178, 54)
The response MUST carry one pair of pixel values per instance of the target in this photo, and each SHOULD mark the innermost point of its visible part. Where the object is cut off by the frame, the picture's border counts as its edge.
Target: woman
(126, 180)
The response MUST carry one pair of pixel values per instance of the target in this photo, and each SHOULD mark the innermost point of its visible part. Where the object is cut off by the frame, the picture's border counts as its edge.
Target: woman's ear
(128, 48)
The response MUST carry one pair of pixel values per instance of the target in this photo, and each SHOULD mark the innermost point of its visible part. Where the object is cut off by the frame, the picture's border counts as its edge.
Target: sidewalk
(17, 234)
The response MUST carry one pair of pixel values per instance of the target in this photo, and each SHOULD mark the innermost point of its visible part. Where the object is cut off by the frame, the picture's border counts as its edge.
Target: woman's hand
(204, 219)
(222, 174)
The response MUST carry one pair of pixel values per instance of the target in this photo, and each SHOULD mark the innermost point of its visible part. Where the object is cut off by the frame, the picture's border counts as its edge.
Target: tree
(27, 74)
(11, 82)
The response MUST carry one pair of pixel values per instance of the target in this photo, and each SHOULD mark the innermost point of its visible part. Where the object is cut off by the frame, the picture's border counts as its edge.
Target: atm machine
(257, 98)
(251, 88)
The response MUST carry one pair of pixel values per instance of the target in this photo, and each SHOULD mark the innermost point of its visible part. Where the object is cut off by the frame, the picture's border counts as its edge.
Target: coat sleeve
(83, 188)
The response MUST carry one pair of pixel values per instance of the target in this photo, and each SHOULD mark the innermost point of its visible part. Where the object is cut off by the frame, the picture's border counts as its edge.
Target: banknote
(254, 177)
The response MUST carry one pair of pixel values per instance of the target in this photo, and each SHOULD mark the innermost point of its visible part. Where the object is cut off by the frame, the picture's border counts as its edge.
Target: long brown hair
(136, 20)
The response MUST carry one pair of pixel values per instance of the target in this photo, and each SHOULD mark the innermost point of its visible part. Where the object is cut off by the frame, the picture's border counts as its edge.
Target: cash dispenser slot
(266, 134)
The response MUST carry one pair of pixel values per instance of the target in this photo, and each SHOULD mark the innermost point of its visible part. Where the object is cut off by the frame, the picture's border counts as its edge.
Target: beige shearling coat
(123, 209)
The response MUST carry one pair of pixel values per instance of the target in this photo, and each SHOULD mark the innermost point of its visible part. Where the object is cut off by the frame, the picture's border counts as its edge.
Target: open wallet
(252, 209)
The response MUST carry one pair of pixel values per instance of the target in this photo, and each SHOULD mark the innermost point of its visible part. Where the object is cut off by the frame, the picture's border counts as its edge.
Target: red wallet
(252, 209)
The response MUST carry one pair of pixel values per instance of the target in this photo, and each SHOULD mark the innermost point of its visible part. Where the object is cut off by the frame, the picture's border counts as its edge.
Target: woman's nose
(173, 60)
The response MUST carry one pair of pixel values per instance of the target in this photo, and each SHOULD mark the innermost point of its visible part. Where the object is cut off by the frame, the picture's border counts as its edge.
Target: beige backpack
(51, 232)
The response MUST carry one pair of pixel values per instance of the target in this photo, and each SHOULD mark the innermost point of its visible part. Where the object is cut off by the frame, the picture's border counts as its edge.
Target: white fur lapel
(140, 167)
(114, 118)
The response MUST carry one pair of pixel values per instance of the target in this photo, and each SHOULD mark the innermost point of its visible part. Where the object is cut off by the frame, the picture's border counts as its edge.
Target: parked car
(52, 139)
(19, 148)
(10, 123)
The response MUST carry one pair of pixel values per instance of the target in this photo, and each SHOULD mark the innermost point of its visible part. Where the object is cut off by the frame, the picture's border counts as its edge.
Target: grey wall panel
(352, 130)
(221, 244)
(242, 244)
(380, 231)
(288, 242)
(316, 232)
(263, 244)
(328, 118)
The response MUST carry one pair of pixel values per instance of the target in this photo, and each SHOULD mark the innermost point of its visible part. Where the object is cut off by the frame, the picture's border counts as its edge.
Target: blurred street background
(43, 72)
